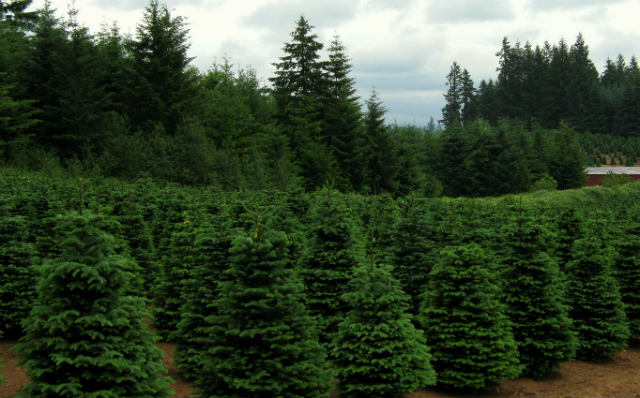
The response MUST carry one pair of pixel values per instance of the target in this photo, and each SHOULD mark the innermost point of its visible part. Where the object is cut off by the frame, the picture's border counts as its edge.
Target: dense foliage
(262, 340)
(534, 294)
(465, 322)
(377, 350)
(84, 337)
(498, 244)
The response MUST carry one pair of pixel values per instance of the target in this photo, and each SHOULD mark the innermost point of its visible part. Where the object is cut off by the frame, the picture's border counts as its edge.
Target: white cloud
(462, 11)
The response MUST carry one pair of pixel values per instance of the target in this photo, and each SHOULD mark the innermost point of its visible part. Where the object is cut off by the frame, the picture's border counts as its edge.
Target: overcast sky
(402, 47)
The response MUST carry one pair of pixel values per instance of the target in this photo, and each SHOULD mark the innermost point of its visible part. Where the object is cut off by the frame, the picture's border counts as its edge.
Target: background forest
(107, 105)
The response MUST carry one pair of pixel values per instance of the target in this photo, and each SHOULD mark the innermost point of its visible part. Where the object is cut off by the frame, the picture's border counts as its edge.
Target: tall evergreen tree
(377, 350)
(454, 98)
(465, 323)
(380, 150)
(300, 86)
(163, 82)
(468, 111)
(585, 112)
(263, 342)
(84, 336)
(343, 128)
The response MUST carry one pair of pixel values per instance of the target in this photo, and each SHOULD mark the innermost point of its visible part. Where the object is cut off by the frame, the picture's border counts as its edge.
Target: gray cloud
(541, 5)
(387, 4)
(457, 11)
(279, 17)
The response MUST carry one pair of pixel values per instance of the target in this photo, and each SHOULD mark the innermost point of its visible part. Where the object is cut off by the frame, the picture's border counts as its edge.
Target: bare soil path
(618, 378)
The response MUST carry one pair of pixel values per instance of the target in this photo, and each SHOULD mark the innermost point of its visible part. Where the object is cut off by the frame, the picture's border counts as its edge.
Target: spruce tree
(452, 111)
(380, 152)
(300, 87)
(333, 250)
(597, 309)
(377, 351)
(464, 321)
(343, 131)
(163, 83)
(84, 336)
(263, 342)
(533, 292)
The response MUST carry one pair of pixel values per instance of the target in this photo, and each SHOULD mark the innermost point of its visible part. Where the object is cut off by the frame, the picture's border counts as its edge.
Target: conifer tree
(300, 87)
(163, 82)
(377, 351)
(569, 228)
(627, 273)
(380, 150)
(533, 292)
(333, 250)
(470, 336)
(451, 113)
(211, 252)
(597, 309)
(414, 249)
(84, 336)
(343, 128)
(16, 275)
(170, 289)
(263, 342)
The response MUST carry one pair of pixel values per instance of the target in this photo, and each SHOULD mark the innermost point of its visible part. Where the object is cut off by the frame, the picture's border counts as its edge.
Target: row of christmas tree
(494, 287)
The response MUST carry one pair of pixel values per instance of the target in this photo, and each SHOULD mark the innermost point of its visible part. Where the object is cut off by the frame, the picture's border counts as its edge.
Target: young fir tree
(332, 252)
(470, 336)
(211, 251)
(377, 351)
(263, 342)
(627, 273)
(84, 336)
(596, 305)
(414, 249)
(170, 289)
(16, 275)
(569, 228)
(136, 231)
(533, 292)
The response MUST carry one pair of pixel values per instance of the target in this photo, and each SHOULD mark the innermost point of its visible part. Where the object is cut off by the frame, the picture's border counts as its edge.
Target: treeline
(548, 85)
(132, 107)
(257, 289)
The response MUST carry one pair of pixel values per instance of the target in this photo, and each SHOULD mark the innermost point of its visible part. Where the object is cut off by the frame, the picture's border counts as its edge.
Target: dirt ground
(618, 378)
